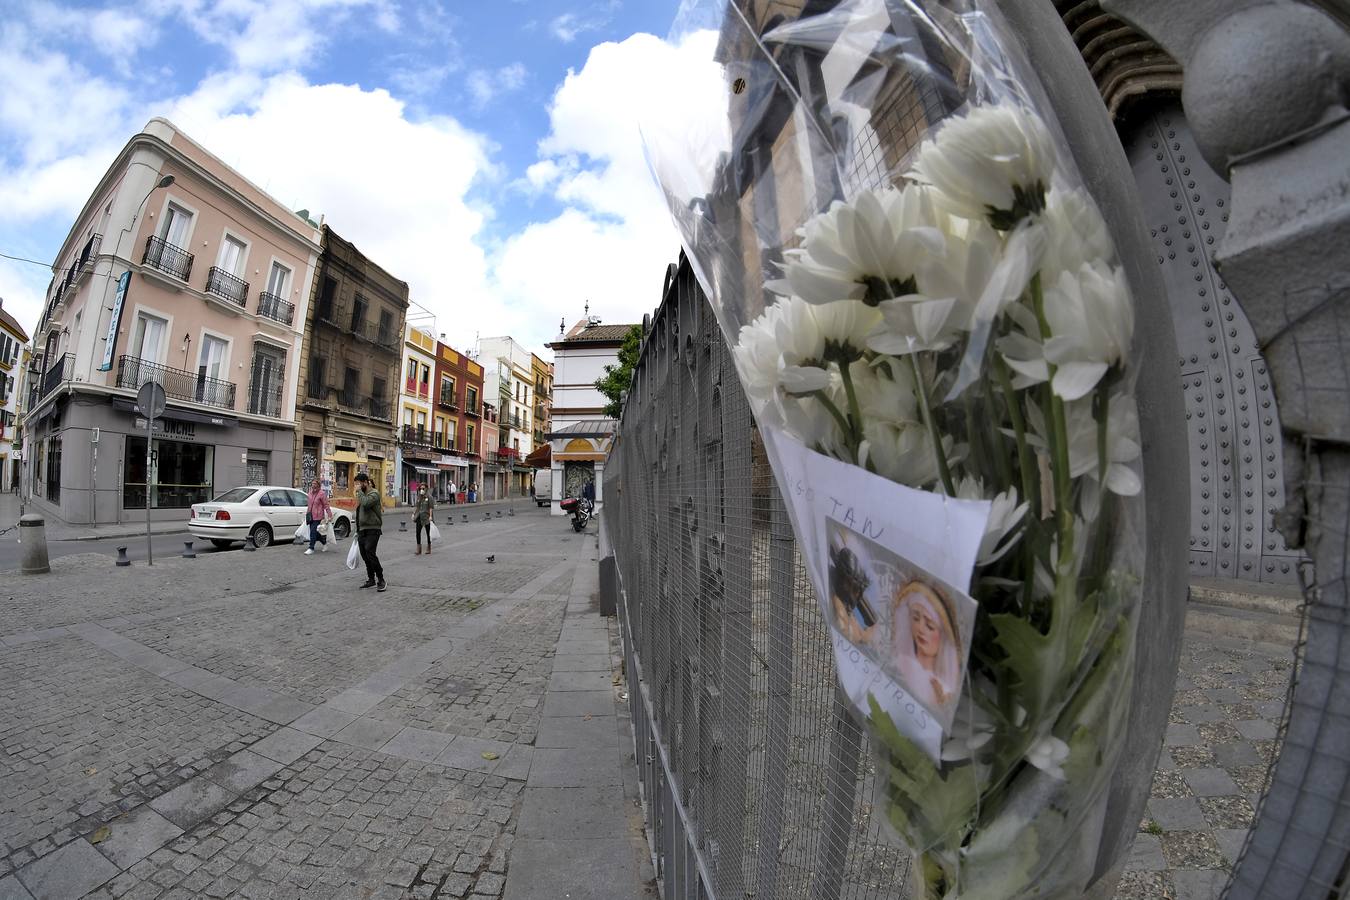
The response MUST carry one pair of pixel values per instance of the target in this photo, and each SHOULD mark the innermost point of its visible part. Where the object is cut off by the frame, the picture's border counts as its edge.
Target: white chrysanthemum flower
(756, 355)
(995, 163)
(1091, 324)
(902, 453)
(1076, 233)
(978, 277)
(1049, 755)
(885, 390)
(867, 248)
(1005, 515)
(1122, 441)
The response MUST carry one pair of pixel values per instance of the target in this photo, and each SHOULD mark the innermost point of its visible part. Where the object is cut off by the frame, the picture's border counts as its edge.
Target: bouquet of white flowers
(953, 319)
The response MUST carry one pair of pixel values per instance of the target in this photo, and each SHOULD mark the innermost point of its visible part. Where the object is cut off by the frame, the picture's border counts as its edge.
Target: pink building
(178, 270)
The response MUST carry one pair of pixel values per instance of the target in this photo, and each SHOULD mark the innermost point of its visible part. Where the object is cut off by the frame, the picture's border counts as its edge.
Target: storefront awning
(427, 470)
(541, 457)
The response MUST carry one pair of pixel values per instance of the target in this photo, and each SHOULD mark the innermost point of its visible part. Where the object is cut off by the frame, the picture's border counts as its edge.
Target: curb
(1268, 613)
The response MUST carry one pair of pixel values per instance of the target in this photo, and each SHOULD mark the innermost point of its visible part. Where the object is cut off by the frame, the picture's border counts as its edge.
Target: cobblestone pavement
(255, 725)
(1212, 770)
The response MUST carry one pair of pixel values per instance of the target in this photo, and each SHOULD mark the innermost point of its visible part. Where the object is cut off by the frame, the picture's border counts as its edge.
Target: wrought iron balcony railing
(411, 436)
(226, 286)
(449, 401)
(264, 397)
(273, 307)
(59, 371)
(178, 384)
(161, 255)
(472, 409)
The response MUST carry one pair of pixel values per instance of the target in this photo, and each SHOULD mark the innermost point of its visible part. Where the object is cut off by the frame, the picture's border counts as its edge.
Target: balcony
(273, 307)
(165, 257)
(265, 399)
(414, 388)
(178, 384)
(448, 401)
(372, 333)
(472, 409)
(226, 286)
(410, 436)
(60, 371)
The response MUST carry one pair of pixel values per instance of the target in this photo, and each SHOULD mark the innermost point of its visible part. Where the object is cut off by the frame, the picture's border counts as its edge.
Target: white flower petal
(1075, 379)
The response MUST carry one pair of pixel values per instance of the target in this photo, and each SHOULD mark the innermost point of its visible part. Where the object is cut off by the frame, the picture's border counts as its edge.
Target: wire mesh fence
(756, 777)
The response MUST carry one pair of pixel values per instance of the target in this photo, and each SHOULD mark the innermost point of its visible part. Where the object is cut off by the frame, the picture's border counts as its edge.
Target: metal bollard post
(248, 543)
(499, 513)
(486, 515)
(188, 552)
(466, 518)
(511, 511)
(33, 532)
(403, 525)
(122, 557)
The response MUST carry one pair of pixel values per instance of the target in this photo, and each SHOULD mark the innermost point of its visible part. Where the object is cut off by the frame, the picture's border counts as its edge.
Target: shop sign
(170, 428)
(119, 301)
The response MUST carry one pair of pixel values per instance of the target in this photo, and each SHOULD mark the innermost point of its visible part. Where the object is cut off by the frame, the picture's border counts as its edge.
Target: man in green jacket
(369, 523)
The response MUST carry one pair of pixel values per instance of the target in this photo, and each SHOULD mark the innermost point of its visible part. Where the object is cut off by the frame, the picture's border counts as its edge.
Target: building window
(327, 294)
(316, 387)
(472, 401)
(412, 374)
(448, 391)
(279, 281)
(147, 340)
(471, 447)
(342, 475)
(358, 313)
(386, 335)
(452, 433)
(265, 385)
(351, 385)
(231, 256)
(181, 473)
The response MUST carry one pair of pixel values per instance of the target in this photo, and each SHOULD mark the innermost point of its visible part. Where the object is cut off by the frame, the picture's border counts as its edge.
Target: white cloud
(612, 242)
(486, 85)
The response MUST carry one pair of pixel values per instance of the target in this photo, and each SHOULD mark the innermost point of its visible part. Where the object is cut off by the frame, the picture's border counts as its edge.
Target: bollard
(486, 515)
(511, 511)
(466, 518)
(122, 557)
(403, 525)
(499, 513)
(33, 533)
(188, 552)
(248, 543)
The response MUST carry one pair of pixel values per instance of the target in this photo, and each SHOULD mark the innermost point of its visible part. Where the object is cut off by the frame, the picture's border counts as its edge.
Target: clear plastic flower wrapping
(897, 243)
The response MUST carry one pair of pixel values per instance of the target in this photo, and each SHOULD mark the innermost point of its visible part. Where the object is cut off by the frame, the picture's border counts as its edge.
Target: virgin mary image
(926, 648)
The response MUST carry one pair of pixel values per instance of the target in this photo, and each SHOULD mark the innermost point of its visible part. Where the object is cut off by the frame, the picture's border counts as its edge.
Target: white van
(543, 486)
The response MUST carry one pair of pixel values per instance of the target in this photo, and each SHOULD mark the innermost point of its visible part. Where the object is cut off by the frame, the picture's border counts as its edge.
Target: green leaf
(933, 806)
(1033, 661)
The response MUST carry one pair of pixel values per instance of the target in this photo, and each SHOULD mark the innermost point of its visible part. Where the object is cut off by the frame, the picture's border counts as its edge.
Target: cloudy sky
(485, 151)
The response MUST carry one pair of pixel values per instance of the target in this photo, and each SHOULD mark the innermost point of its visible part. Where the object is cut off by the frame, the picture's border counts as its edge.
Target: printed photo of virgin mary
(926, 647)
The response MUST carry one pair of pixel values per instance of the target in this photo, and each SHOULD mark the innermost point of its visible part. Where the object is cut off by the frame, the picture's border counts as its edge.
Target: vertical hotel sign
(110, 342)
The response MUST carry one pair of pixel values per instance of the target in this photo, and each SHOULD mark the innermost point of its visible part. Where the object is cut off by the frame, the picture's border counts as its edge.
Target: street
(165, 545)
(257, 725)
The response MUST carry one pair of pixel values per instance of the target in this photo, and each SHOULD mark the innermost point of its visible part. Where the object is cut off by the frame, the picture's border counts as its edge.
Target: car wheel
(342, 528)
(261, 535)
(221, 545)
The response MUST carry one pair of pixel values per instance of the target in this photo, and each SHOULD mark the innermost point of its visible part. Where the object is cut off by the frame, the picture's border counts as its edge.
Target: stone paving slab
(417, 744)
(577, 768)
(576, 731)
(589, 869)
(71, 871)
(572, 813)
(579, 703)
(12, 889)
(135, 836)
(192, 802)
(286, 745)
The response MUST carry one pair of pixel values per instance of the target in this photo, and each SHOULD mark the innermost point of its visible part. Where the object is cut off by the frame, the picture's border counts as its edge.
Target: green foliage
(617, 379)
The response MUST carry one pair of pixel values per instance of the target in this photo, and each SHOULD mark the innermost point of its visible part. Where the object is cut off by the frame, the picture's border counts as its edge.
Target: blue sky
(485, 151)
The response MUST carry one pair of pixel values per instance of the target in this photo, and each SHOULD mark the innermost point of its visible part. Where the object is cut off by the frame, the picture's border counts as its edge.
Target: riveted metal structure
(1232, 425)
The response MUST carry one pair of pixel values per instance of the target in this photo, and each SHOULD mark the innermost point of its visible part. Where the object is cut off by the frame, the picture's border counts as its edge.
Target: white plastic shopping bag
(353, 556)
(302, 533)
(435, 532)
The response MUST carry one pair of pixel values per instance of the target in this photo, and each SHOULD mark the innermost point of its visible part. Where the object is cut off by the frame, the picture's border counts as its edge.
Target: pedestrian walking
(589, 491)
(317, 515)
(369, 524)
(453, 489)
(422, 514)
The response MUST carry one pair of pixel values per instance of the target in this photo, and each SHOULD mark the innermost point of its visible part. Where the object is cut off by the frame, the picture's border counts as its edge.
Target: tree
(614, 384)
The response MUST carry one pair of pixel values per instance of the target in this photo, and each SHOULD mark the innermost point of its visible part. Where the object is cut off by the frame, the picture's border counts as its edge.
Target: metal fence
(756, 779)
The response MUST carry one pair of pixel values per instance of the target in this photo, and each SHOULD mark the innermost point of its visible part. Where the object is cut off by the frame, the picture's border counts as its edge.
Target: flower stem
(854, 411)
(1059, 440)
(921, 391)
(840, 419)
(1030, 493)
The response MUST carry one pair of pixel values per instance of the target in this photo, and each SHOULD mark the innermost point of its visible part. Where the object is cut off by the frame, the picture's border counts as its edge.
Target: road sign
(151, 400)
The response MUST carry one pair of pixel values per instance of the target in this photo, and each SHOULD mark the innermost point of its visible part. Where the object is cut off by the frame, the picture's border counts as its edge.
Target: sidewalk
(58, 530)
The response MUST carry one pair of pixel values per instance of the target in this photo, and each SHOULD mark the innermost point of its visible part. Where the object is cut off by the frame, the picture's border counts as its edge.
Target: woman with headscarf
(925, 647)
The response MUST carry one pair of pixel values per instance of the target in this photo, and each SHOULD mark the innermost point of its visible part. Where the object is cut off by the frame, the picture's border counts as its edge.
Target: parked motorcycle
(580, 509)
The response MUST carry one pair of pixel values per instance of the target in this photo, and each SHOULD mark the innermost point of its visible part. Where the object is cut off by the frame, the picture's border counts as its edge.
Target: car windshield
(237, 495)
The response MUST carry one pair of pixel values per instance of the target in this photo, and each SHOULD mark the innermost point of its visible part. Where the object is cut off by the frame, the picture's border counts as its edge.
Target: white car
(267, 513)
